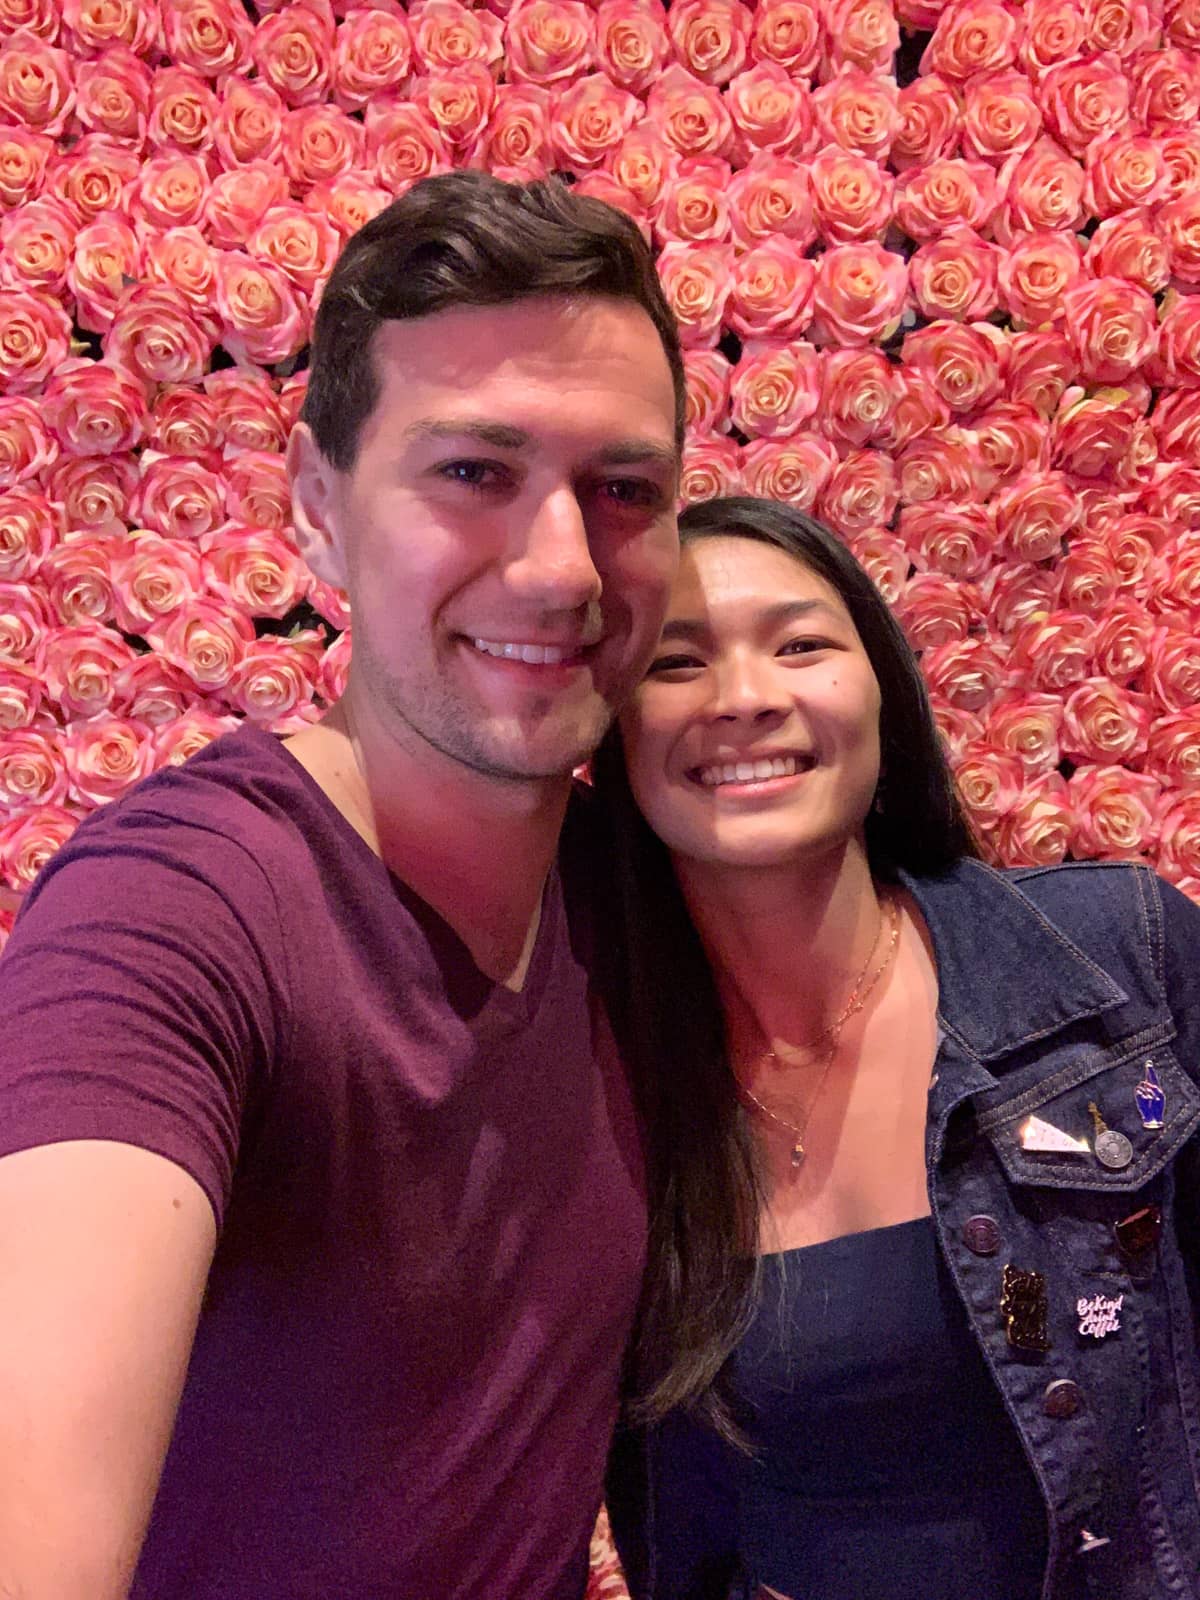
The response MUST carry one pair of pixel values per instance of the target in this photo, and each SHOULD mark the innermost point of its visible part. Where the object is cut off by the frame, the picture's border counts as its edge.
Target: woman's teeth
(748, 771)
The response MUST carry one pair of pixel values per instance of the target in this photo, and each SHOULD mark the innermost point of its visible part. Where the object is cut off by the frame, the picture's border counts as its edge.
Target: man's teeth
(748, 771)
(537, 655)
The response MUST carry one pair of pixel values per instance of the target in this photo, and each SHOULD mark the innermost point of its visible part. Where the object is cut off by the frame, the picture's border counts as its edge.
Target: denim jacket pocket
(1097, 1089)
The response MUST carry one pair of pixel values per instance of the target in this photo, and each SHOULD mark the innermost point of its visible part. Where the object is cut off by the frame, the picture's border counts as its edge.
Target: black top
(885, 1465)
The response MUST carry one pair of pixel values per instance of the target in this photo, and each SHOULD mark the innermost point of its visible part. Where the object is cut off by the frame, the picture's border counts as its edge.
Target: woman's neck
(786, 945)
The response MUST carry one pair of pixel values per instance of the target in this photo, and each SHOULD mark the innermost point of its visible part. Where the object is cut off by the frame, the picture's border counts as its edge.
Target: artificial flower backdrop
(937, 268)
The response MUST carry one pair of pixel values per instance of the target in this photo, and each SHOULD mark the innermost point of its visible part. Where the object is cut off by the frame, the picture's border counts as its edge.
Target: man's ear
(314, 481)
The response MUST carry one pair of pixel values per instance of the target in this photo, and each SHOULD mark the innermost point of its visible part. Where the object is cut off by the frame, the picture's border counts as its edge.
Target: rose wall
(937, 268)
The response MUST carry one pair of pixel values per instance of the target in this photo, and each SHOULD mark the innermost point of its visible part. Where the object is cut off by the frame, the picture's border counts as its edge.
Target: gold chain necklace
(858, 997)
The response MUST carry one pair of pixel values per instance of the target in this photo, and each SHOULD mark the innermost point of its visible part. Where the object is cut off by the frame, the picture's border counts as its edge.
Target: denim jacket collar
(1006, 975)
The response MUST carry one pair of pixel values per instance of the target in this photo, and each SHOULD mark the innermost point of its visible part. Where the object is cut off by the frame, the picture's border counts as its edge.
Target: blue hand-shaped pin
(1151, 1101)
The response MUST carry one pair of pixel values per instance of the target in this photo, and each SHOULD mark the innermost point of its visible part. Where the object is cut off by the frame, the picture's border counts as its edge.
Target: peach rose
(1175, 590)
(711, 466)
(446, 35)
(335, 669)
(24, 156)
(884, 560)
(776, 388)
(349, 202)
(1178, 830)
(517, 136)
(1115, 812)
(917, 410)
(372, 54)
(300, 243)
(257, 492)
(1027, 727)
(1042, 188)
(457, 104)
(707, 374)
(250, 122)
(152, 579)
(320, 144)
(290, 394)
(691, 116)
(1113, 327)
(1179, 341)
(239, 200)
(929, 123)
(1127, 247)
(1037, 831)
(859, 111)
(955, 277)
(771, 291)
(29, 839)
(155, 334)
(771, 196)
(861, 493)
(92, 496)
(696, 280)
(934, 609)
(710, 37)
(205, 639)
(937, 466)
(1179, 223)
(293, 51)
(1104, 722)
(956, 728)
(946, 194)
(1053, 652)
(1035, 513)
(81, 664)
(548, 41)
(404, 145)
(1001, 117)
(1166, 91)
(851, 197)
(589, 119)
(1181, 159)
(263, 318)
(176, 742)
(962, 361)
(105, 756)
(789, 34)
(856, 396)
(276, 677)
(253, 570)
(1123, 634)
(169, 191)
(1040, 367)
(1096, 437)
(152, 691)
(29, 527)
(1124, 171)
(20, 695)
(860, 293)
(1182, 23)
(106, 260)
(989, 783)
(968, 673)
(211, 37)
(93, 176)
(862, 34)
(1085, 100)
(178, 497)
(78, 580)
(1132, 554)
(95, 25)
(793, 470)
(953, 538)
(27, 448)
(972, 36)
(695, 204)
(632, 46)
(770, 110)
(35, 338)
(95, 408)
(1006, 439)
(1176, 423)
(37, 88)
(183, 110)
(248, 409)
(24, 626)
(330, 603)
(1013, 592)
(1173, 748)
(183, 260)
(1122, 26)
(113, 95)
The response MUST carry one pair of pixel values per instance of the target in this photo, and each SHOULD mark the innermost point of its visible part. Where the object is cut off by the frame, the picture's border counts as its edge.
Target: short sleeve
(142, 996)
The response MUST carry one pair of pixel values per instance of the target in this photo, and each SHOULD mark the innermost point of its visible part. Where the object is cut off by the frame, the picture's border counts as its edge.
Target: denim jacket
(1057, 988)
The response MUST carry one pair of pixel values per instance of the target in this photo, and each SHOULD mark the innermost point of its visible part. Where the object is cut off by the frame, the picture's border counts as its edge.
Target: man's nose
(554, 564)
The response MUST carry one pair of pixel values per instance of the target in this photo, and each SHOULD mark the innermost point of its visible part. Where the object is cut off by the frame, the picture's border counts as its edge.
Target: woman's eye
(803, 647)
(675, 663)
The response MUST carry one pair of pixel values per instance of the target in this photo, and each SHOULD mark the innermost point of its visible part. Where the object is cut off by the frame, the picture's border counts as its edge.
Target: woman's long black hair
(704, 1189)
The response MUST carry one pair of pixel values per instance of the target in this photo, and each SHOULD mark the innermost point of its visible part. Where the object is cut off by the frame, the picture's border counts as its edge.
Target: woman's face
(753, 739)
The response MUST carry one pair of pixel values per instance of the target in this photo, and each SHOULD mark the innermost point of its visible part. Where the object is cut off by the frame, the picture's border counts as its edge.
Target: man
(321, 1216)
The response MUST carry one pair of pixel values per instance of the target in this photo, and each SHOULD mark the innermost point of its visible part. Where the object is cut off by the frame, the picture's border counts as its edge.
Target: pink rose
(860, 293)
(691, 116)
(78, 580)
(1085, 100)
(928, 126)
(1037, 831)
(1179, 341)
(598, 185)
(590, 117)
(954, 538)
(1036, 274)
(548, 41)
(771, 111)
(776, 388)
(1035, 513)
(1173, 671)
(1115, 812)
(183, 260)
(1006, 439)
(321, 144)
(1173, 748)
(517, 136)
(1013, 592)
(1127, 247)
(884, 560)
(29, 840)
(1123, 634)
(1104, 722)
(1113, 327)
(155, 334)
(153, 578)
(372, 55)
(93, 176)
(89, 27)
(238, 201)
(248, 409)
(107, 258)
(711, 466)
(152, 691)
(1055, 651)
(632, 46)
(1131, 553)
(1125, 170)
(1176, 422)
(1166, 91)
(972, 36)
(955, 277)
(1027, 726)
(250, 123)
(290, 394)
(293, 51)
(184, 423)
(1123, 26)
(264, 319)
(81, 664)
(852, 197)
(457, 104)
(793, 470)
(169, 191)
(859, 111)
(95, 408)
(1040, 367)
(1181, 158)
(707, 374)
(37, 87)
(967, 672)
(178, 497)
(446, 35)
(917, 410)
(1042, 188)
(695, 207)
(301, 244)
(93, 499)
(696, 280)
(211, 37)
(1179, 223)
(861, 493)
(257, 490)
(29, 527)
(176, 742)
(956, 728)
(24, 156)
(1178, 830)
(113, 95)
(1095, 437)
(24, 624)
(276, 677)
(989, 782)
(335, 669)
(710, 37)
(962, 361)
(1001, 117)
(349, 202)
(105, 756)
(1182, 22)
(642, 164)
(330, 603)
(253, 570)
(771, 290)
(20, 695)
(770, 196)
(183, 110)
(938, 466)
(856, 396)
(862, 34)
(205, 639)
(788, 33)
(26, 447)
(934, 609)
(404, 145)
(946, 194)
(35, 338)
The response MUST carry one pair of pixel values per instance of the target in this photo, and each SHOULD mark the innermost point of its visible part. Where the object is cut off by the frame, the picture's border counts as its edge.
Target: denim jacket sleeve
(1181, 983)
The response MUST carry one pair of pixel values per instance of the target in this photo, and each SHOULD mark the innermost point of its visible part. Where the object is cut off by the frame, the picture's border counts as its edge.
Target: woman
(918, 1321)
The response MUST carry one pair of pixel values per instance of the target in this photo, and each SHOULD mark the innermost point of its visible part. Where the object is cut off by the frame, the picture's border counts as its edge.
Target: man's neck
(478, 851)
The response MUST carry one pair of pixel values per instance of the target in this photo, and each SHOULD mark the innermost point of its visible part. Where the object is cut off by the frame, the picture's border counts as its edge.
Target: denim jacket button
(1062, 1398)
(981, 1235)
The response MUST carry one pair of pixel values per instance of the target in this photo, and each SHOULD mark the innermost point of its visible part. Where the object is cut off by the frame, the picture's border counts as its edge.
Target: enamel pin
(1099, 1315)
(1113, 1149)
(1151, 1101)
(1023, 1306)
(1047, 1139)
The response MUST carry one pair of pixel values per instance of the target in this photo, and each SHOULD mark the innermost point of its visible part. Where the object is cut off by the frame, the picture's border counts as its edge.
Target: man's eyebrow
(638, 452)
(503, 436)
(694, 629)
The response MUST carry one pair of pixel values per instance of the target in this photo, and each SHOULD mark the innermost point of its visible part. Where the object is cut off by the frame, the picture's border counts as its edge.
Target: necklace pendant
(798, 1154)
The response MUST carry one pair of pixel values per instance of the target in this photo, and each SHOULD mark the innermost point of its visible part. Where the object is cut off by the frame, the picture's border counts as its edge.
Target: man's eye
(632, 492)
(472, 474)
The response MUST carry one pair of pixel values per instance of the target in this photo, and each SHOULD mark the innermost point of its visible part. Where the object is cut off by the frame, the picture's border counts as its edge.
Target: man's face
(507, 532)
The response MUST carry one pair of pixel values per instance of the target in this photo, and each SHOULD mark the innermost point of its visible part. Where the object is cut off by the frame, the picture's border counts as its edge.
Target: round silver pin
(1113, 1149)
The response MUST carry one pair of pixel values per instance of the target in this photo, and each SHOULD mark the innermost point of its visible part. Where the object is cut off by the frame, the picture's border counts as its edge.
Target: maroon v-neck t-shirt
(428, 1190)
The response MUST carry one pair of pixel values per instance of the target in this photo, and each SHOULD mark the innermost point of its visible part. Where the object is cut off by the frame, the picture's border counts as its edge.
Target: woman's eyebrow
(694, 630)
